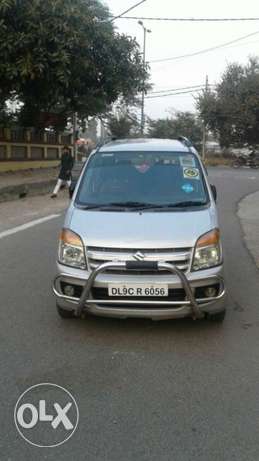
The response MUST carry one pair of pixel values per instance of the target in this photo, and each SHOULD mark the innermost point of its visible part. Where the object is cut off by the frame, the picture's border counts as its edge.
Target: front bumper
(189, 306)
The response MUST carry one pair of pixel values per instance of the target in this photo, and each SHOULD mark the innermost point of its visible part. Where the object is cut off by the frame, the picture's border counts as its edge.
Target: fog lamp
(69, 290)
(210, 292)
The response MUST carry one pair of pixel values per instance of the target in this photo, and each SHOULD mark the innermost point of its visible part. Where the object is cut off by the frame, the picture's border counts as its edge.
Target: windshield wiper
(90, 206)
(185, 204)
(112, 205)
(131, 204)
(139, 205)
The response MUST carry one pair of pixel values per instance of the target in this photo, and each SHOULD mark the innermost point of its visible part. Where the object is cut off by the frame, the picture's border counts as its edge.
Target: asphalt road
(174, 390)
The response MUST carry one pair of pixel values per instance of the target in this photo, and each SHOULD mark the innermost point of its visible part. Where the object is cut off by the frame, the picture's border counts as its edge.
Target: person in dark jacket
(67, 163)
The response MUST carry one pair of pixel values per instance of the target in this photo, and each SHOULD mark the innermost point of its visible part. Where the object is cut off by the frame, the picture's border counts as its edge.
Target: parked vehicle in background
(251, 160)
(141, 236)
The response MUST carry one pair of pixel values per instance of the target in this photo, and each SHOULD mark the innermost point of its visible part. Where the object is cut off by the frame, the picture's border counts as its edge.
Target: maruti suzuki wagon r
(141, 236)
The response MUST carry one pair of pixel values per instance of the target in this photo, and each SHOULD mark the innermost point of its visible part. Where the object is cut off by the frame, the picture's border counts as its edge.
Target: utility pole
(204, 137)
(75, 133)
(144, 66)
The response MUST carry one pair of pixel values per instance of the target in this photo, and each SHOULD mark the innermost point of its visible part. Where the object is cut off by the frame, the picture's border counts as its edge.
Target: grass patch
(218, 160)
(30, 165)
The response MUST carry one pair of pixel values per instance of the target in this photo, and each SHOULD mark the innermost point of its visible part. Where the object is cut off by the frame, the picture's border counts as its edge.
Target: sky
(170, 39)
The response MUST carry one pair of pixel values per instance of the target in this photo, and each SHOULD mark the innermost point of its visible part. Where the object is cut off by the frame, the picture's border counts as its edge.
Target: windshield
(142, 179)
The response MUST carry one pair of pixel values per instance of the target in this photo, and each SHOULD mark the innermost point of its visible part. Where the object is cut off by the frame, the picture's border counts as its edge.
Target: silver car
(141, 236)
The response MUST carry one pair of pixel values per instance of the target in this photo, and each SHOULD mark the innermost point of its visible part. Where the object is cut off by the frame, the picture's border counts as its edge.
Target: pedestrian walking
(67, 163)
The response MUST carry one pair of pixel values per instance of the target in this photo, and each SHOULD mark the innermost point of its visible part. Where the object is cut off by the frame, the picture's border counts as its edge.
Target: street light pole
(144, 66)
(204, 137)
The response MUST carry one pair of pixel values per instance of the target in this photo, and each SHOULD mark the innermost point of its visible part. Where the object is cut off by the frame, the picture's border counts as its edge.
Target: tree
(231, 111)
(179, 124)
(65, 56)
(123, 124)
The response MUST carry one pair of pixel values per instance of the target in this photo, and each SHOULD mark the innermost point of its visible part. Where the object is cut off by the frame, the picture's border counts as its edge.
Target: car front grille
(179, 257)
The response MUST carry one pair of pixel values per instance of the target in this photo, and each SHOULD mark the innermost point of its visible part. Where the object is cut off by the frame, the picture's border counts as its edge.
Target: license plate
(141, 290)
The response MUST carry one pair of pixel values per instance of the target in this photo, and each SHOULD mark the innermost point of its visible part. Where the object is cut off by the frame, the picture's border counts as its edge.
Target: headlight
(208, 251)
(71, 250)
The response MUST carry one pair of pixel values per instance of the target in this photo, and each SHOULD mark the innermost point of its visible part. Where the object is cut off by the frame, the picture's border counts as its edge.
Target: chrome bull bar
(85, 298)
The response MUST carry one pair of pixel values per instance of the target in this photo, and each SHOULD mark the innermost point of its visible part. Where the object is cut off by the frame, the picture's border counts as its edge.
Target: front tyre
(219, 317)
(64, 314)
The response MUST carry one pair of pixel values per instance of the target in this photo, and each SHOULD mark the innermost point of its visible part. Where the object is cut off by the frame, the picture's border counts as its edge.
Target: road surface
(174, 390)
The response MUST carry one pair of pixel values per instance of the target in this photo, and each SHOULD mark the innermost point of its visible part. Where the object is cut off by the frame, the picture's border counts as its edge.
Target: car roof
(148, 145)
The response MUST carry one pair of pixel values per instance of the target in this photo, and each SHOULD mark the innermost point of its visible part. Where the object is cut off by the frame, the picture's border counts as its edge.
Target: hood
(142, 230)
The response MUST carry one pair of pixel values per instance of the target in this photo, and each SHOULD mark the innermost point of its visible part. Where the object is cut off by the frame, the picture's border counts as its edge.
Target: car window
(150, 177)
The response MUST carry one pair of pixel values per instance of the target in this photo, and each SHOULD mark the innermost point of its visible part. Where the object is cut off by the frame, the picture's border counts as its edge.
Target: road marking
(17, 229)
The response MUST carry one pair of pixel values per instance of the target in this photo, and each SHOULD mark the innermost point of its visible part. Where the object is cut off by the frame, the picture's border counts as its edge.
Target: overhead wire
(114, 18)
(178, 89)
(206, 50)
(173, 94)
(188, 19)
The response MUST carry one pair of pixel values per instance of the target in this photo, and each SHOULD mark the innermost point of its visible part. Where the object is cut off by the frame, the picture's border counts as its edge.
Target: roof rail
(102, 143)
(185, 141)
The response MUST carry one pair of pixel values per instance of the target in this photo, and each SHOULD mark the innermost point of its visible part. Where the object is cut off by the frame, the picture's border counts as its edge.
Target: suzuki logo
(139, 256)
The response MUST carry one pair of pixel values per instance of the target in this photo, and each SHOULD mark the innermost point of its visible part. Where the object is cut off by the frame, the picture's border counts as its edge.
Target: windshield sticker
(187, 161)
(187, 188)
(191, 173)
(143, 168)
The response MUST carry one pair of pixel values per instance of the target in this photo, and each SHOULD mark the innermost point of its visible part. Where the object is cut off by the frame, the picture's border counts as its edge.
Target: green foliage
(179, 124)
(64, 56)
(123, 124)
(231, 112)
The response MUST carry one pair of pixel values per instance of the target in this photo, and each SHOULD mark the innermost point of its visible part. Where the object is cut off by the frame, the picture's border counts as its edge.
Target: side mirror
(72, 189)
(214, 192)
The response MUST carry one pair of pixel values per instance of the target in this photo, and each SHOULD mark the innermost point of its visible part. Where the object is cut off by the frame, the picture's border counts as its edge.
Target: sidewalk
(14, 185)
(19, 212)
(248, 213)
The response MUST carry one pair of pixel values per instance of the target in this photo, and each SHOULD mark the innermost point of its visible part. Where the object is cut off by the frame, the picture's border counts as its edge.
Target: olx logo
(46, 415)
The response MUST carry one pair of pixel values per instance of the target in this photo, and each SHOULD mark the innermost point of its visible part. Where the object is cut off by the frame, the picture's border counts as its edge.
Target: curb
(248, 214)
(19, 191)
